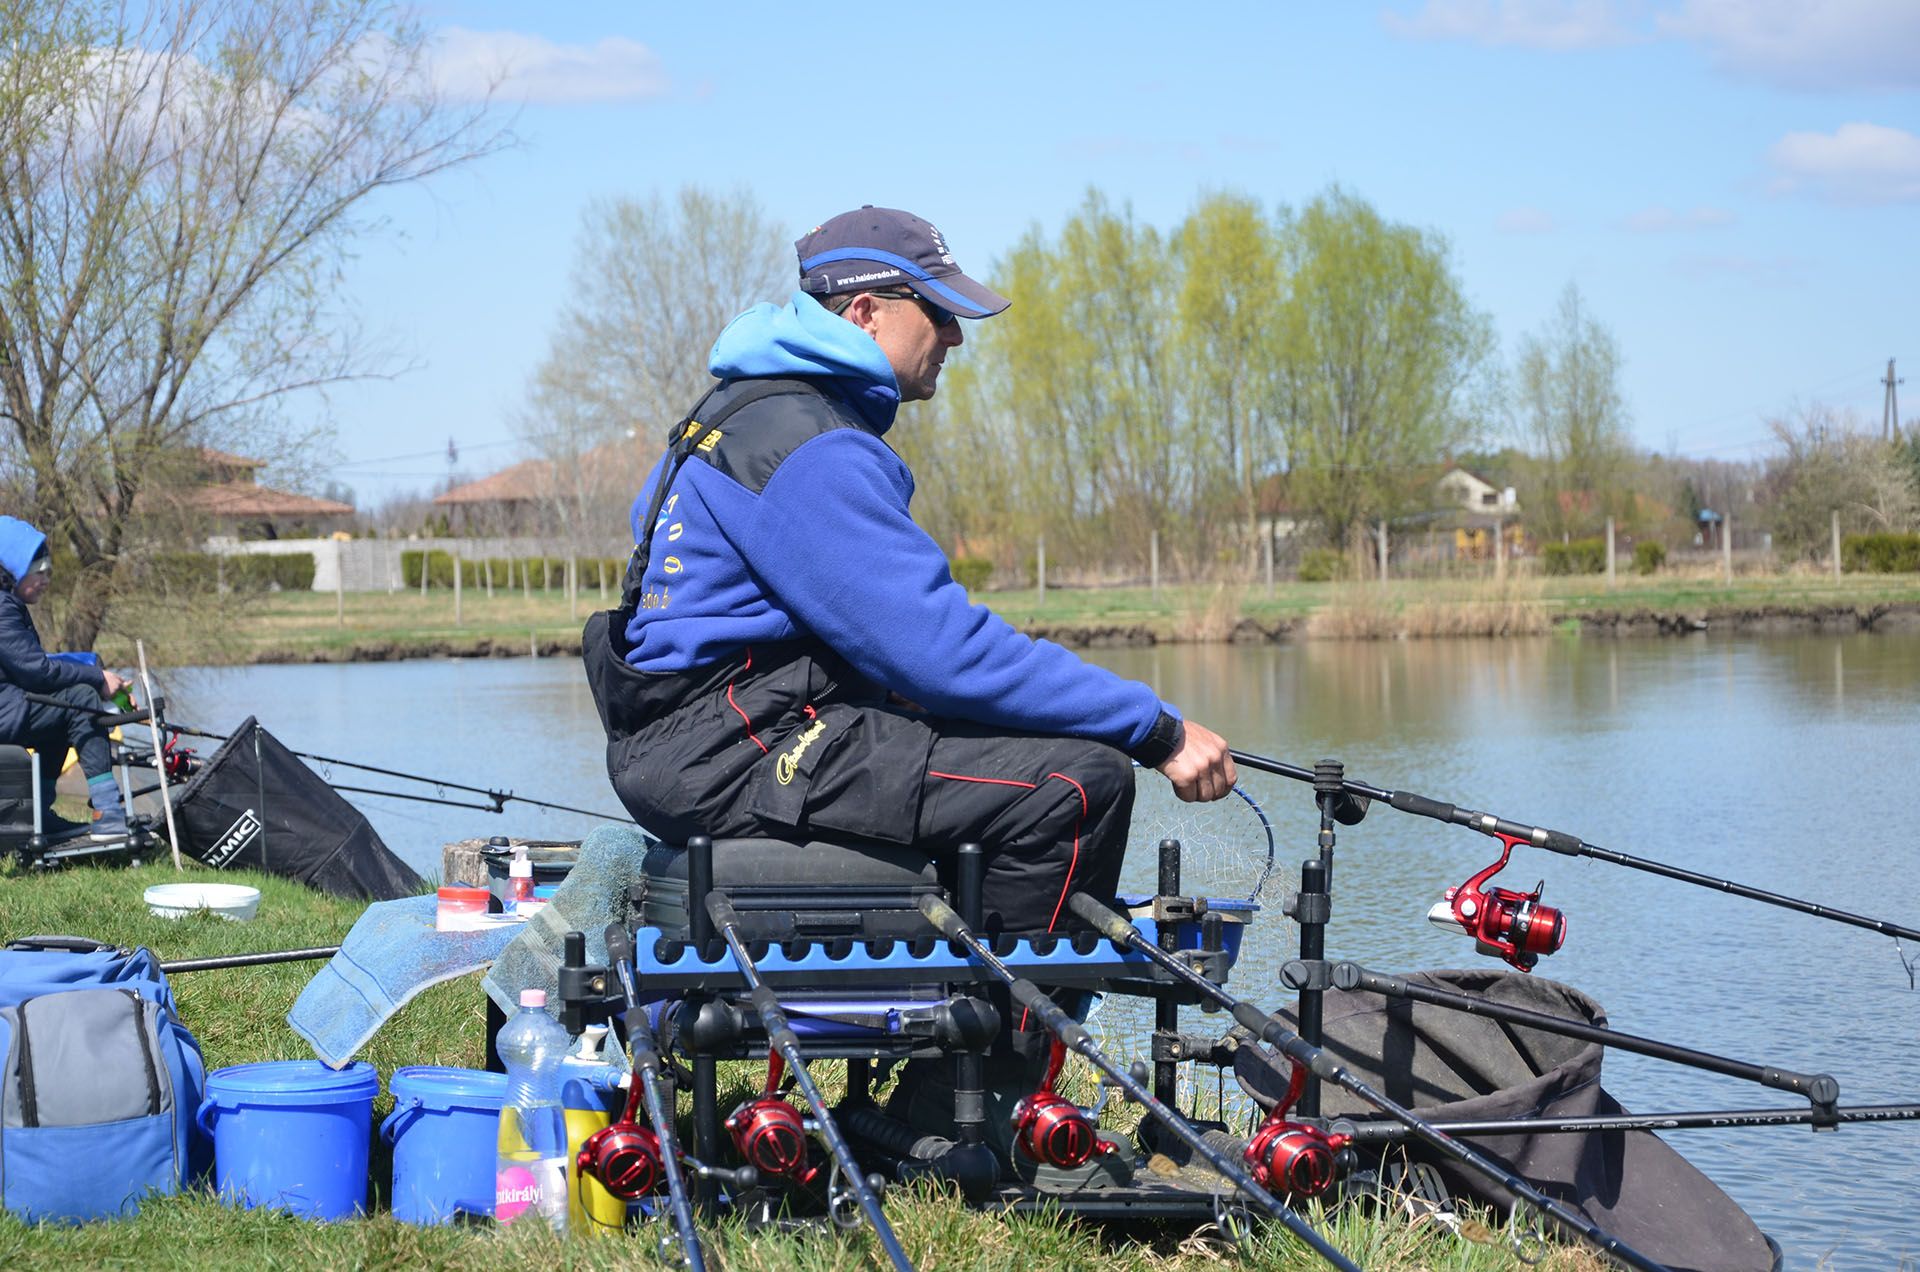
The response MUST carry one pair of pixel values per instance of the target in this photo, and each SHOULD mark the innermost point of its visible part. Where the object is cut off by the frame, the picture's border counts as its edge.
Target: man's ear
(861, 312)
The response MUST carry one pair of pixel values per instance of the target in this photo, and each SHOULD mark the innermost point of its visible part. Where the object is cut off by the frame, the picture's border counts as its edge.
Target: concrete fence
(373, 565)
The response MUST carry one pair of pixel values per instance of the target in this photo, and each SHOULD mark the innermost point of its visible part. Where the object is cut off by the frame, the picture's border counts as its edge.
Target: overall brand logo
(237, 836)
(789, 761)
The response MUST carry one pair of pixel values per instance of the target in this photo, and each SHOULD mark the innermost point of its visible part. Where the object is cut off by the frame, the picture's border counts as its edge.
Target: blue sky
(1733, 184)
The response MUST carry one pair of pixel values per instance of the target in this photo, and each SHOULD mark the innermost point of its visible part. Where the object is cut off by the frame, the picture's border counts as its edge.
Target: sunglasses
(936, 315)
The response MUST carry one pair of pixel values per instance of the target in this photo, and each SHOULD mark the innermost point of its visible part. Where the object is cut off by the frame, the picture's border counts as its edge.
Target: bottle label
(539, 1185)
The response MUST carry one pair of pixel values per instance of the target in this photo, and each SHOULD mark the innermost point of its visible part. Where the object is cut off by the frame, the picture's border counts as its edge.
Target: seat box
(783, 890)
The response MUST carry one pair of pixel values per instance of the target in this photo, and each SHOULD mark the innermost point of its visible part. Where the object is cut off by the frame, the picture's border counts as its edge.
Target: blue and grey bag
(99, 1084)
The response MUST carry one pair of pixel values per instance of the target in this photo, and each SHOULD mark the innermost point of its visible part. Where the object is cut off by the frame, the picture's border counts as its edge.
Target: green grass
(239, 1016)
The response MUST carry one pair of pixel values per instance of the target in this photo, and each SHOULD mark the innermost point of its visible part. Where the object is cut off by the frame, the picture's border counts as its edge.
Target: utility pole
(1890, 412)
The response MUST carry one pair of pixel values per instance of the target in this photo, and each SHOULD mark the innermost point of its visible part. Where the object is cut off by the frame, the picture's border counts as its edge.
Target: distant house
(526, 497)
(223, 489)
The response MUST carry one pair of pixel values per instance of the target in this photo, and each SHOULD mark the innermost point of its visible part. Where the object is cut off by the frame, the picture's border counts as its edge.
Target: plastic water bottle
(531, 1169)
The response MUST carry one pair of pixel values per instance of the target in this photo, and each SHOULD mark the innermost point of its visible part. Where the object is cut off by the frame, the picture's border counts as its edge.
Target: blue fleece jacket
(828, 549)
(24, 665)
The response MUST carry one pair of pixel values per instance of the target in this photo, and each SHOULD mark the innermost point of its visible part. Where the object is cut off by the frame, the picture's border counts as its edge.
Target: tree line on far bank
(1174, 390)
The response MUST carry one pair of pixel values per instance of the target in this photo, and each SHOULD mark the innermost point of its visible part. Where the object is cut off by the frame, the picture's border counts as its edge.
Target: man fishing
(813, 668)
(797, 661)
(26, 567)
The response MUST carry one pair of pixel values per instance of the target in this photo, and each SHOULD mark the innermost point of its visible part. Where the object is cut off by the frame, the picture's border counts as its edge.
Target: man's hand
(1201, 770)
(114, 683)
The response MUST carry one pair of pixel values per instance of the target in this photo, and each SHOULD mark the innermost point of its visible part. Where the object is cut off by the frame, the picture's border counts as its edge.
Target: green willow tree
(1233, 290)
(1383, 361)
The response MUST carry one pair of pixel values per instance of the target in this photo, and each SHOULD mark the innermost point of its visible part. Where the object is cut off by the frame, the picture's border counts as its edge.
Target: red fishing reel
(1052, 1129)
(1512, 925)
(624, 1156)
(769, 1133)
(1291, 1158)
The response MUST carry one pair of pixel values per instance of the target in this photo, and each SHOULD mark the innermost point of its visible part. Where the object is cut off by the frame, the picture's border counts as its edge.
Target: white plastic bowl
(233, 901)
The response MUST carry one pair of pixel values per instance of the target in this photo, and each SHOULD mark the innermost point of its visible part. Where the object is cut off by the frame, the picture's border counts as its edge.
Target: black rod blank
(649, 1073)
(781, 1036)
(1821, 1090)
(1323, 1065)
(1713, 1120)
(1075, 1036)
(1573, 846)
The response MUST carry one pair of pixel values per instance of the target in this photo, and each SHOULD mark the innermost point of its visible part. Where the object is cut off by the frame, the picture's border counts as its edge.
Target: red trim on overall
(743, 715)
(1073, 862)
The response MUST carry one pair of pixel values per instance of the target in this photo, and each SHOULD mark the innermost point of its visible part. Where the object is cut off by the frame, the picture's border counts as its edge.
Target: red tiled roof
(622, 462)
(244, 499)
(527, 480)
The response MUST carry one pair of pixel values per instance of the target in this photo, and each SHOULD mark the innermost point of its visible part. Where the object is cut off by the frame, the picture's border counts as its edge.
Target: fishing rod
(1306, 1056)
(768, 1123)
(1822, 1090)
(496, 799)
(1717, 1120)
(248, 960)
(630, 1159)
(1074, 1034)
(1567, 845)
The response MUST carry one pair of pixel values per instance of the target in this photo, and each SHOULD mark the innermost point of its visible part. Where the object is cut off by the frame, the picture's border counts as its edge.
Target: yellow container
(590, 1207)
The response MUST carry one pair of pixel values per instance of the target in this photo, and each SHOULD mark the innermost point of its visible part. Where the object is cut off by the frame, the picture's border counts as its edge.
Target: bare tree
(653, 284)
(1569, 398)
(179, 183)
(1832, 461)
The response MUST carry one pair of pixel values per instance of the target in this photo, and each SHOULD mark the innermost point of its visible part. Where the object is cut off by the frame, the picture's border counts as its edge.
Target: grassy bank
(239, 1015)
(307, 626)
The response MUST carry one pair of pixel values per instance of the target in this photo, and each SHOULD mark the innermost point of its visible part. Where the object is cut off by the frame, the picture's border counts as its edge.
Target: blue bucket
(444, 1129)
(291, 1135)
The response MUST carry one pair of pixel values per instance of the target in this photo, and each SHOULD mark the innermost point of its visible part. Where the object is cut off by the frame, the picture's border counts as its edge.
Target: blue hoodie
(827, 548)
(24, 665)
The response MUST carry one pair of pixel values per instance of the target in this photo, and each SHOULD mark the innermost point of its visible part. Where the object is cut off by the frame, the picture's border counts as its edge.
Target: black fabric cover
(275, 814)
(1447, 1065)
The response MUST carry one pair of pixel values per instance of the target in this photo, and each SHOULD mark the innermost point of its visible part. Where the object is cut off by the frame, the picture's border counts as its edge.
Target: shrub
(1880, 553)
(242, 572)
(1648, 557)
(1582, 556)
(1320, 565)
(972, 573)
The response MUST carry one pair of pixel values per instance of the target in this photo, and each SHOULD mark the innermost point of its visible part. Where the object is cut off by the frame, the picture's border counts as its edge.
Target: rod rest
(914, 1156)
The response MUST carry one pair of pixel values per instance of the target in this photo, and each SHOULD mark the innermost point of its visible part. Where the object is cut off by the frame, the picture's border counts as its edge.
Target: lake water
(1788, 763)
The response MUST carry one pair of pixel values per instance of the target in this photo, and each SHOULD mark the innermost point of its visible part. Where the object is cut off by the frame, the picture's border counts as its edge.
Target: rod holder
(1311, 911)
(1166, 1011)
(699, 888)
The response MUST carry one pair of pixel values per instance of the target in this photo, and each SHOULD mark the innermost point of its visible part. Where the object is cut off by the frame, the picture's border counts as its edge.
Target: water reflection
(1783, 762)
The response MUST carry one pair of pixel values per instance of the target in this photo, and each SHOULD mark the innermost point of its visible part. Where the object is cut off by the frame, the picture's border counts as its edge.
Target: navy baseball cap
(885, 247)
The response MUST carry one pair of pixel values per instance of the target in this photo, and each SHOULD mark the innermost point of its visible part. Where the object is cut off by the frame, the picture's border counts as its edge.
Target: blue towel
(392, 953)
(593, 894)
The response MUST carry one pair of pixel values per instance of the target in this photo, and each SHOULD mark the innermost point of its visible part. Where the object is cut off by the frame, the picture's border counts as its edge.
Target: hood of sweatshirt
(801, 338)
(21, 542)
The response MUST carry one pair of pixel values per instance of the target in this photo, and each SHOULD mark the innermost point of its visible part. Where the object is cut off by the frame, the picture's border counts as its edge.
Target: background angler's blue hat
(885, 247)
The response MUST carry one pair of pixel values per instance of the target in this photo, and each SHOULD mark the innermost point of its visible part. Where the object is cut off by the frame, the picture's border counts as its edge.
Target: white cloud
(1806, 44)
(531, 68)
(1526, 221)
(1663, 220)
(1558, 25)
(1856, 163)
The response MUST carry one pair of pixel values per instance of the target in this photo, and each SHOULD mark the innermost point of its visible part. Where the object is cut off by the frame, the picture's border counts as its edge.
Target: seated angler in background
(26, 566)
